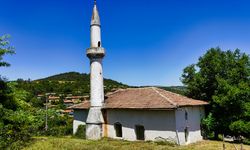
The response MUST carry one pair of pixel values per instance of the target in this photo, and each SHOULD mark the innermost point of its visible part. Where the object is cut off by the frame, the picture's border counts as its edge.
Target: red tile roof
(68, 101)
(67, 111)
(144, 98)
(53, 97)
(83, 105)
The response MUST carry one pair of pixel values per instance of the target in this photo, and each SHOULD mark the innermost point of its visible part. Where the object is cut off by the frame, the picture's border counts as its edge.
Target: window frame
(118, 130)
(140, 132)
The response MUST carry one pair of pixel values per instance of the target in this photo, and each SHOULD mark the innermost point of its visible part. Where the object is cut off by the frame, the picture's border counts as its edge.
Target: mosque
(134, 113)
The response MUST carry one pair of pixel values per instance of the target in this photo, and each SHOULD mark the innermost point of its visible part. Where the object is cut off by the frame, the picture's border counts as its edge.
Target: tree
(6, 99)
(223, 79)
(15, 117)
(5, 49)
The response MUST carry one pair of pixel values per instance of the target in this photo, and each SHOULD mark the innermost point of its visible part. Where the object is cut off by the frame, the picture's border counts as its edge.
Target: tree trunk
(216, 135)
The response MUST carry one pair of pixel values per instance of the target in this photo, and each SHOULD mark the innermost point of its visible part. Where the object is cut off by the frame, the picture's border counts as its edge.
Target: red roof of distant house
(83, 105)
(67, 111)
(53, 97)
(68, 101)
(144, 98)
(76, 97)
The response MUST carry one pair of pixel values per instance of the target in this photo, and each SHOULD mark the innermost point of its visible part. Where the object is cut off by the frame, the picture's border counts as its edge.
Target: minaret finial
(95, 16)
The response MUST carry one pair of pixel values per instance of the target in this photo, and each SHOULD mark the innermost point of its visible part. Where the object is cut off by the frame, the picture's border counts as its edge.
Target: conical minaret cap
(95, 16)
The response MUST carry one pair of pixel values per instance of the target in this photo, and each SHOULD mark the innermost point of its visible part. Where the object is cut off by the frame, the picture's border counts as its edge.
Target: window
(139, 131)
(186, 115)
(99, 44)
(186, 134)
(118, 129)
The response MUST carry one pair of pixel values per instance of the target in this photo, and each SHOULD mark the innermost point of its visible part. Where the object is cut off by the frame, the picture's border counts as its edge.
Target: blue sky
(147, 42)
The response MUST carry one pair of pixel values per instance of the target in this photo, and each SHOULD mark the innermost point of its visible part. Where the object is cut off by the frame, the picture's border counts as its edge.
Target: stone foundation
(94, 124)
(94, 131)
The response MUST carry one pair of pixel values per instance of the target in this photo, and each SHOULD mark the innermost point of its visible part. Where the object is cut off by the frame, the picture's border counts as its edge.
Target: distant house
(147, 114)
(53, 99)
(77, 99)
(40, 95)
(68, 112)
(68, 103)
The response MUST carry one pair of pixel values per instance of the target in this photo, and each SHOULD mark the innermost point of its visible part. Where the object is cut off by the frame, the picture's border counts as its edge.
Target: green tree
(14, 121)
(223, 79)
(15, 118)
(6, 99)
(5, 49)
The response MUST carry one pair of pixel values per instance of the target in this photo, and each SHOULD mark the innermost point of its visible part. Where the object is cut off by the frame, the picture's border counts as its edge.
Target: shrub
(246, 141)
(207, 125)
(15, 131)
(240, 128)
(81, 132)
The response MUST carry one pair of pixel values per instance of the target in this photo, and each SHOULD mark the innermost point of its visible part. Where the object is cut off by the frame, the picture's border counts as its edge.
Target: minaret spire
(95, 28)
(95, 53)
(95, 16)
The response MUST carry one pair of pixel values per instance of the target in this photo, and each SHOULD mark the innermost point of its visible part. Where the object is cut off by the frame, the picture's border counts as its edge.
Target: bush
(81, 132)
(14, 131)
(240, 128)
(207, 125)
(246, 141)
(59, 126)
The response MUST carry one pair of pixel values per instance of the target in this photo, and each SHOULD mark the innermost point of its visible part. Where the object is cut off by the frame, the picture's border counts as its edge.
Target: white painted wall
(193, 122)
(96, 83)
(80, 117)
(156, 123)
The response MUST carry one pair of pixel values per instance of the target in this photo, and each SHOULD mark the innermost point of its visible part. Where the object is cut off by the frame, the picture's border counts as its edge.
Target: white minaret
(95, 53)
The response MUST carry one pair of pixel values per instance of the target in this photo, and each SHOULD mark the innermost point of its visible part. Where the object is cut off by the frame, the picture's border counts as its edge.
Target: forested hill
(83, 78)
(75, 83)
(68, 76)
(66, 83)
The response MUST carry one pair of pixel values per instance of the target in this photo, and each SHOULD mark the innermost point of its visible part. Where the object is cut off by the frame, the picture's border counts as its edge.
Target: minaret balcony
(96, 52)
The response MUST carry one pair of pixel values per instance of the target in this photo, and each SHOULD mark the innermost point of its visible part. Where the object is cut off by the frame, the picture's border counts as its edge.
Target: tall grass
(68, 143)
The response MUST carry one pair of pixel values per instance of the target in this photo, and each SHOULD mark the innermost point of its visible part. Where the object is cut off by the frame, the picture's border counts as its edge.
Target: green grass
(68, 143)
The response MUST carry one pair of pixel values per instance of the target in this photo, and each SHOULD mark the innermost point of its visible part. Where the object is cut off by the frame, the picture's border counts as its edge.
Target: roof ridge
(147, 87)
(181, 95)
(158, 92)
(116, 91)
(175, 93)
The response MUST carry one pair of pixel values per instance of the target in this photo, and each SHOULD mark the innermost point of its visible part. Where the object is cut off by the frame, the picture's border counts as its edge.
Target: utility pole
(46, 118)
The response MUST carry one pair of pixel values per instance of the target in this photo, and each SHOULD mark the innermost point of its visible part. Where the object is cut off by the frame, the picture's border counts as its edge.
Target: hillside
(68, 76)
(77, 84)
(66, 83)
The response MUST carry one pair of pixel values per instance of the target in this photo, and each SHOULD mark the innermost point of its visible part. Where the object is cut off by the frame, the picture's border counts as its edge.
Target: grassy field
(67, 143)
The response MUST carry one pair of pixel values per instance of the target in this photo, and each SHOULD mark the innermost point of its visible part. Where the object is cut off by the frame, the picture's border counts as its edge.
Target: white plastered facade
(191, 123)
(158, 124)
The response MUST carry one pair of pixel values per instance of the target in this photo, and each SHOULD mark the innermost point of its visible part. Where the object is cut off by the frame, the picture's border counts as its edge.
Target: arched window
(118, 129)
(140, 132)
(99, 44)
